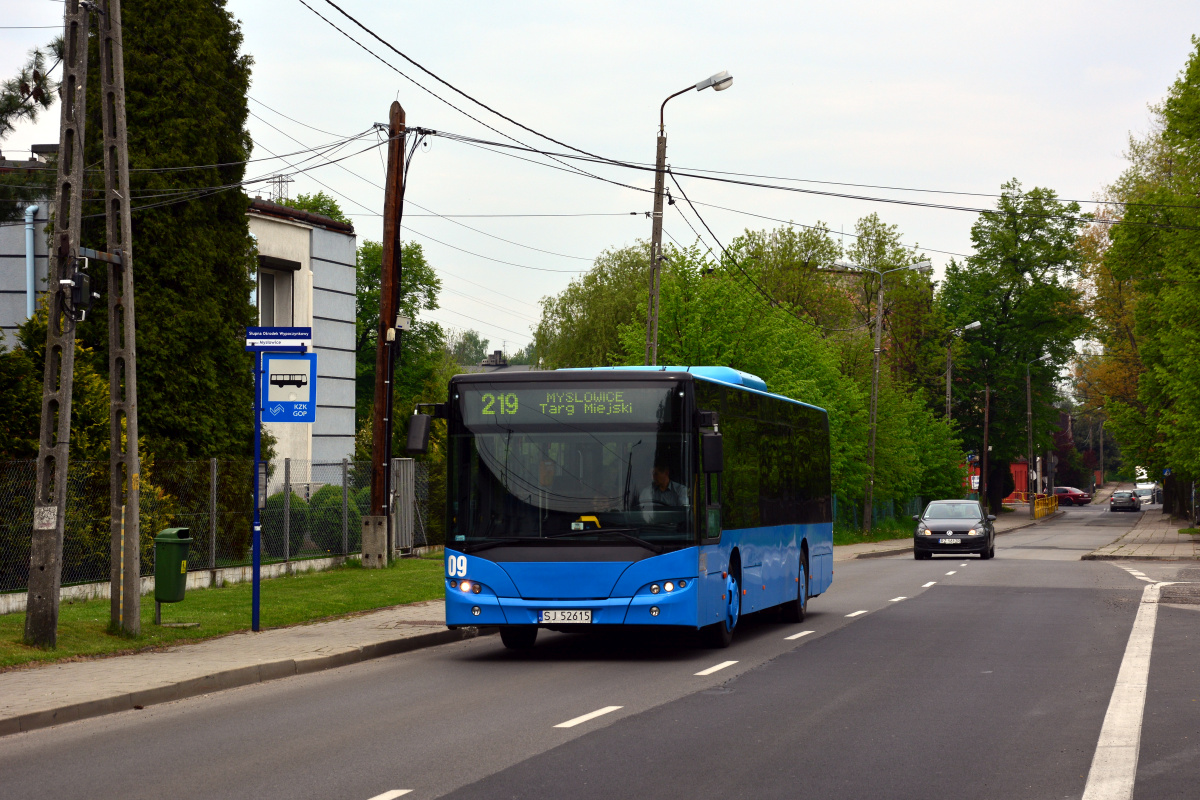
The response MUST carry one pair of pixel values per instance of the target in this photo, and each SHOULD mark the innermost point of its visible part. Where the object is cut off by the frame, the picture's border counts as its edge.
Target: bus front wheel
(720, 635)
(518, 637)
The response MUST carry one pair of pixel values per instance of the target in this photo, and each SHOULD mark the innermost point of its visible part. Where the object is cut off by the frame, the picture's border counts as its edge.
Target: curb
(231, 679)
(908, 548)
(1176, 559)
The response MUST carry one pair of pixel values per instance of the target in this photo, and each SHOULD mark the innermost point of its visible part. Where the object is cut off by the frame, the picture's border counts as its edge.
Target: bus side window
(712, 504)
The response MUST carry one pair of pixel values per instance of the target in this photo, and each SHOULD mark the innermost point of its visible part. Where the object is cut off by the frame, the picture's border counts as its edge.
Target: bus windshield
(593, 463)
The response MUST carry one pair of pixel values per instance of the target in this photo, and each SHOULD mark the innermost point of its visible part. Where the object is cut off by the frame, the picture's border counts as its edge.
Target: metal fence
(309, 509)
(848, 514)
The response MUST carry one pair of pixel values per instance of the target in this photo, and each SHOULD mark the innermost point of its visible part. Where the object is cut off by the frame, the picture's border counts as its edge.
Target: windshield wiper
(495, 542)
(622, 532)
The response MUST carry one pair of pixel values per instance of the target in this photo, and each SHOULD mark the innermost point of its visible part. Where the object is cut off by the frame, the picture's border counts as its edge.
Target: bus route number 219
(499, 403)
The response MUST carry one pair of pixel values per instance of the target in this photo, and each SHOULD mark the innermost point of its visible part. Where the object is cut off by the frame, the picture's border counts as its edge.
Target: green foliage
(319, 203)
(467, 347)
(31, 90)
(193, 259)
(1020, 285)
(580, 327)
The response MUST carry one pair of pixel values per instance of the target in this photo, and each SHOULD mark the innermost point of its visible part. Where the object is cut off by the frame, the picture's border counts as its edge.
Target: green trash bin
(170, 564)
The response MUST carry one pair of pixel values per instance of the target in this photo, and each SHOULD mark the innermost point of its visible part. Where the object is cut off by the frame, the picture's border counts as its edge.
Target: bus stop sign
(290, 388)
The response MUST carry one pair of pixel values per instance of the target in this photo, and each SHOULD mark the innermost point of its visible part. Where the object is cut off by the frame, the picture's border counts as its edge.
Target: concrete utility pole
(125, 466)
(70, 300)
(1029, 434)
(987, 406)
(389, 305)
(50, 501)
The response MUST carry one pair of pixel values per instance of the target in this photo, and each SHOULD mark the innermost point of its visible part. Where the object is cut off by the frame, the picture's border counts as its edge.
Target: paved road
(961, 678)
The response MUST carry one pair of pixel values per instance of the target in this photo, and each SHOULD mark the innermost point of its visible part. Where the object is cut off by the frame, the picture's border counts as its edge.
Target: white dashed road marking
(571, 723)
(797, 635)
(856, 613)
(717, 668)
(927, 585)
(1114, 766)
(962, 565)
(951, 572)
(897, 599)
(392, 795)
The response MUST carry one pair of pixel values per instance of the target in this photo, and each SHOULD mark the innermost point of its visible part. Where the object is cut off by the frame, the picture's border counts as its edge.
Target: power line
(489, 258)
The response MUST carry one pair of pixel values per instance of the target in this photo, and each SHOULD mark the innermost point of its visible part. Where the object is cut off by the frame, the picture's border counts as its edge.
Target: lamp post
(719, 82)
(920, 266)
(971, 326)
(1029, 426)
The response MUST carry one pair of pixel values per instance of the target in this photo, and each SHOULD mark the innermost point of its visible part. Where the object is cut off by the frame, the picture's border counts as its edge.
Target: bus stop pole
(256, 546)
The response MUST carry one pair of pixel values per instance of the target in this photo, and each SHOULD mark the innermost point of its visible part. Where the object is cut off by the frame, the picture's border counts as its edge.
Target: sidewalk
(51, 694)
(41, 696)
(1155, 537)
(890, 547)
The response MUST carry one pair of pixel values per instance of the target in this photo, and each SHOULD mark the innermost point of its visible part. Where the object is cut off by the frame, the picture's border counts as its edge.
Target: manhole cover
(1180, 594)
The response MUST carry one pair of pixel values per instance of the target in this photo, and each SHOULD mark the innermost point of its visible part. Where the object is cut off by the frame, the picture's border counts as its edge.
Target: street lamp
(1029, 425)
(719, 83)
(920, 266)
(971, 326)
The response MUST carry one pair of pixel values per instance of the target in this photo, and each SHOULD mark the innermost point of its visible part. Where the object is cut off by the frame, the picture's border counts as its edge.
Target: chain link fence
(848, 514)
(309, 510)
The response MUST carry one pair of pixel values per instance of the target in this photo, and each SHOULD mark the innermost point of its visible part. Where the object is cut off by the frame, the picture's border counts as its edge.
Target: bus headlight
(654, 588)
(654, 611)
(465, 586)
(670, 587)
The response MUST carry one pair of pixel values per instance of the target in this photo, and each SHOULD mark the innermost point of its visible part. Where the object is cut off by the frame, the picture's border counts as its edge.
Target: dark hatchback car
(1124, 500)
(954, 526)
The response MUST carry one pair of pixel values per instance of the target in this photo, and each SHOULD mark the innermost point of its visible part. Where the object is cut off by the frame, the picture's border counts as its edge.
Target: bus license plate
(569, 615)
(947, 541)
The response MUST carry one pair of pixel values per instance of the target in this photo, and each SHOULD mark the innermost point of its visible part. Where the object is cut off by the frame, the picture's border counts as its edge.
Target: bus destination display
(510, 405)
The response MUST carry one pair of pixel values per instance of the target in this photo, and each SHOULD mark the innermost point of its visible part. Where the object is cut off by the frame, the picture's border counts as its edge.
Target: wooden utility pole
(70, 296)
(125, 469)
(50, 502)
(389, 306)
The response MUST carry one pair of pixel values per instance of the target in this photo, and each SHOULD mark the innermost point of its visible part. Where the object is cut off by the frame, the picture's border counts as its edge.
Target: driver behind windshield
(663, 491)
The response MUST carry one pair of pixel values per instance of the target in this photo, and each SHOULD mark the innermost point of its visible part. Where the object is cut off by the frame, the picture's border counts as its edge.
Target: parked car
(954, 526)
(1070, 496)
(1124, 500)
(1145, 494)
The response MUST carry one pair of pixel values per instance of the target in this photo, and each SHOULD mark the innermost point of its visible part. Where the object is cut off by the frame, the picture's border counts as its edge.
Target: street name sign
(267, 338)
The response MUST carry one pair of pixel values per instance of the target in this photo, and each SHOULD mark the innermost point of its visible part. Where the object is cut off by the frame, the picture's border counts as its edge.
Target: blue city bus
(654, 496)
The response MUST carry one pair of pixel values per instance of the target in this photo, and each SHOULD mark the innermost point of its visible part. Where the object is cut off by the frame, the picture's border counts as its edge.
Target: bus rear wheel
(518, 637)
(795, 610)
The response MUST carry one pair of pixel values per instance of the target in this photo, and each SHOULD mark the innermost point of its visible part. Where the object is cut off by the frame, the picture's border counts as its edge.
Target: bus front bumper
(675, 608)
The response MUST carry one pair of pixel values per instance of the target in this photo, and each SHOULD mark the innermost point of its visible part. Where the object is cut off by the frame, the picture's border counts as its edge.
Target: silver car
(1124, 500)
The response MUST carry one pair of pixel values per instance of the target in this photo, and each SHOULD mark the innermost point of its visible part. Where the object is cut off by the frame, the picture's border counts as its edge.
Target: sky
(949, 97)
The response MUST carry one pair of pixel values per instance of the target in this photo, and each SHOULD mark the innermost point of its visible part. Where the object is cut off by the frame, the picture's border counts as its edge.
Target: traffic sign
(265, 338)
(289, 393)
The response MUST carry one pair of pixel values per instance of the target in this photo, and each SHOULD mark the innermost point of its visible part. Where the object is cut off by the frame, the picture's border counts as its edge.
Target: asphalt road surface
(955, 677)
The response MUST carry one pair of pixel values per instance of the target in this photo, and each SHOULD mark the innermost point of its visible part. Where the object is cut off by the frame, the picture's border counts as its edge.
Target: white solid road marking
(927, 585)
(392, 795)
(798, 635)
(571, 723)
(717, 668)
(1114, 766)
(951, 572)
(897, 599)
(856, 613)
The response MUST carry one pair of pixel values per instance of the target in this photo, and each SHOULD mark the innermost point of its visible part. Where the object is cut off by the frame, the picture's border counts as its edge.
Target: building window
(274, 298)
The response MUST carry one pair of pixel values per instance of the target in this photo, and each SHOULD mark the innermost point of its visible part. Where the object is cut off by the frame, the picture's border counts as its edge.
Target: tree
(319, 203)
(580, 326)
(1020, 284)
(466, 347)
(31, 90)
(420, 349)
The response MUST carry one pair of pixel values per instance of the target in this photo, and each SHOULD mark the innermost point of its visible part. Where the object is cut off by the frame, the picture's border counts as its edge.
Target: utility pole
(870, 499)
(987, 406)
(50, 501)
(949, 367)
(125, 469)
(660, 164)
(389, 305)
(70, 301)
(1029, 435)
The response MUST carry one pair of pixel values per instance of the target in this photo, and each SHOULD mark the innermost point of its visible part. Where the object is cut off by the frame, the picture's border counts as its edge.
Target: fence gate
(402, 501)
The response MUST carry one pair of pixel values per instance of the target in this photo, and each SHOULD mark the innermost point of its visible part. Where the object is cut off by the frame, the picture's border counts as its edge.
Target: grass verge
(292, 600)
(882, 532)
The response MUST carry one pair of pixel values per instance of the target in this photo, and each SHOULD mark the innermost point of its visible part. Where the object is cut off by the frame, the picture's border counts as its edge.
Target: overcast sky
(916, 95)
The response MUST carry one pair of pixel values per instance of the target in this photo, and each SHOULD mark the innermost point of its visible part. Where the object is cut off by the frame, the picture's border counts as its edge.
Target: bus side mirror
(418, 433)
(712, 451)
